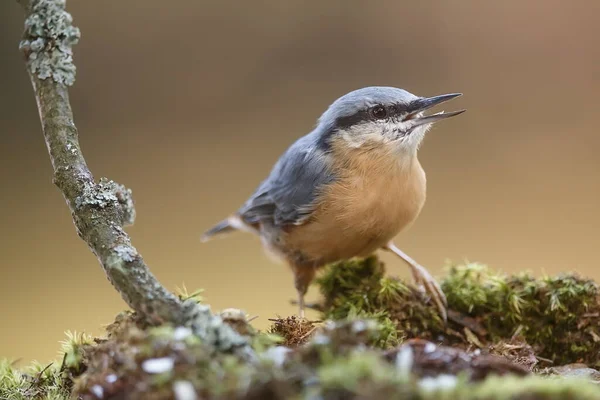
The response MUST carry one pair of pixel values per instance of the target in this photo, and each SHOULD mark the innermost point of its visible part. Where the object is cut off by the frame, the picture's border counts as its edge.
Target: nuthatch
(347, 188)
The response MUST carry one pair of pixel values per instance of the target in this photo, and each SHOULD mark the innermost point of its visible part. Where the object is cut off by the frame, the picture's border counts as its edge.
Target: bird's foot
(423, 280)
(429, 285)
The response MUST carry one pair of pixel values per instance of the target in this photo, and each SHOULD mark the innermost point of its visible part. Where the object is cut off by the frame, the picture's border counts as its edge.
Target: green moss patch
(558, 316)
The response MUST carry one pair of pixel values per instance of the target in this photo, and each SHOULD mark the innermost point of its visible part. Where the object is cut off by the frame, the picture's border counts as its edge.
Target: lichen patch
(48, 41)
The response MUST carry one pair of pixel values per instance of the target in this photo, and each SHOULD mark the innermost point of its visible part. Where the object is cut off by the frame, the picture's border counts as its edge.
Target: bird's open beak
(426, 103)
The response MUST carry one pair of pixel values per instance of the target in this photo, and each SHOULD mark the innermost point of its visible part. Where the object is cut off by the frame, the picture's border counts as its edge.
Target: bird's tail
(233, 223)
(221, 228)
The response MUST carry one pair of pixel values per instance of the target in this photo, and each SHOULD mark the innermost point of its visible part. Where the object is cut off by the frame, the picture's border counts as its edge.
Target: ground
(508, 337)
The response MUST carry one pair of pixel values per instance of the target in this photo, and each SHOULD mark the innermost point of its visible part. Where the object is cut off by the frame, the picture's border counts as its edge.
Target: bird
(346, 189)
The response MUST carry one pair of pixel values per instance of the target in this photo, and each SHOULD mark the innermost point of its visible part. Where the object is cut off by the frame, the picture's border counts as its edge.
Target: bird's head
(381, 116)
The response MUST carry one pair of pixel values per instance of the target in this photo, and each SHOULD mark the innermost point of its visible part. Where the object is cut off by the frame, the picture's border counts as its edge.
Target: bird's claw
(428, 284)
(424, 280)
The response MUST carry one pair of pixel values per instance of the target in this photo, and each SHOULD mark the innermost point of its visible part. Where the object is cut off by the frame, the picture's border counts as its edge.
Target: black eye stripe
(396, 110)
(351, 120)
(392, 111)
(361, 116)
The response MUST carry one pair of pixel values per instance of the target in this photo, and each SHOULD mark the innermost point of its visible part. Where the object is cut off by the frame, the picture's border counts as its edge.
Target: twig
(467, 322)
(544, 359)
(99, 210)
(38, 377)
(517, 332)
(63, 363)
(308, 333)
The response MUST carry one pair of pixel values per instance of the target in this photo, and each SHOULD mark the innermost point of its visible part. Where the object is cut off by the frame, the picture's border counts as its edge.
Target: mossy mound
(558, 316)
(379, 339)
(36, 381)
(336, 363)
(52, 381)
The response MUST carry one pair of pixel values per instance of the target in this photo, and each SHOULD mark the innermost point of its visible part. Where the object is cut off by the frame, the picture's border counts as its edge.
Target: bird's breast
(372, 199)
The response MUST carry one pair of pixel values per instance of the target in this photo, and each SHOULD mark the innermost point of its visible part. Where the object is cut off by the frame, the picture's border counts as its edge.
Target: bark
(99, 210)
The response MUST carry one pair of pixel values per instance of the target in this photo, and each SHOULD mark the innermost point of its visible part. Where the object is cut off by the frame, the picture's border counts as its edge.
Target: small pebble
(158, 365)
(181, 332)
(277, 354)
(404, 360)
(97, 391)
(184, 390)
(429, 348)
(440, 382)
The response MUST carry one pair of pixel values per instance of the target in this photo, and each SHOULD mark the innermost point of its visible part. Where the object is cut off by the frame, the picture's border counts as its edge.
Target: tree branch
(99, 210)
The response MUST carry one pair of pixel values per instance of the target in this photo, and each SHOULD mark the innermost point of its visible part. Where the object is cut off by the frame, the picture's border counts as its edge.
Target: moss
(48, 40)
(238, 320)
(359, 288)
(52, 381)
(364, 348)
(362, 375)
(558, 316)
(337, 362)
(185, 295)
(73, 351)
(533, 387)
(159, 362)
(34, 382)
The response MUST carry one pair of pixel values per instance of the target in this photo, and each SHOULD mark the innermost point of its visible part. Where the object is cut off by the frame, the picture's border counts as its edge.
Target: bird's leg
(424, 279)
(303, 276)
(300, 303)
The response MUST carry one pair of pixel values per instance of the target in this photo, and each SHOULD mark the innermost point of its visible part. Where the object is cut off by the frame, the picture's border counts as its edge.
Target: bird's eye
(379, 112)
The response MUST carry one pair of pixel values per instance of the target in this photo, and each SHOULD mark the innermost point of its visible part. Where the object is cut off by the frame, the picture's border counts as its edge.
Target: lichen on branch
(106, 193)
(101, 209)
(48, 41)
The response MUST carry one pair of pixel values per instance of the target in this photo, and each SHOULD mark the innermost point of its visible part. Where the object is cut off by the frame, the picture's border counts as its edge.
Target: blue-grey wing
(288, 195)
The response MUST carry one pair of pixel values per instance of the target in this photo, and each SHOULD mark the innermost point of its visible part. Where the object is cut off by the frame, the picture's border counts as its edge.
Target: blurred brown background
(189, 104)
